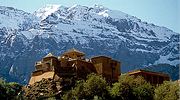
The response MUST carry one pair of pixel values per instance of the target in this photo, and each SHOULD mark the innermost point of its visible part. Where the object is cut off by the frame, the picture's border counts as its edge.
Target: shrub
(167, 91)
(9, 90)
(132, 88)
(94, 87)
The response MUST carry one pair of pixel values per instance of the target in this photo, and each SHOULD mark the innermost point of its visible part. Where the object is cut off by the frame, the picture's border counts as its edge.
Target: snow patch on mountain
(104, 13)
(30, 34)
(96, 30)
(44, 12)
(165, 59)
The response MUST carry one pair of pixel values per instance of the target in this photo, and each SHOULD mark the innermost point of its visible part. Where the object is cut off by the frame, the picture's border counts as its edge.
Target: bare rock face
(46, 88)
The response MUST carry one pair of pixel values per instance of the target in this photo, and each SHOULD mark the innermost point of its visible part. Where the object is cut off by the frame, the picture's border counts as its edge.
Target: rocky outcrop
(43, 89)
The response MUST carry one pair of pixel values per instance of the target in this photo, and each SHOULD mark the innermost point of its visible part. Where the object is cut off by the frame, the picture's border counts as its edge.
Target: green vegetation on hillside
(167, 91)
(94, 87)
(9, 91)
(127, 88)
(131, 88)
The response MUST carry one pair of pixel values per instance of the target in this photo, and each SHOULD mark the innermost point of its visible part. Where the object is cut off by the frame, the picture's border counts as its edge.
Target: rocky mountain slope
(97, 30)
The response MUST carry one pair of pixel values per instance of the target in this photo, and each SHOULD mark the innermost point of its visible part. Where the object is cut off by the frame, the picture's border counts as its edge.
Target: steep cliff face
(26, 38)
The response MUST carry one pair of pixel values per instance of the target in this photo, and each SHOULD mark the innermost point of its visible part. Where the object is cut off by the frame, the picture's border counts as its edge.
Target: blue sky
(160, 12)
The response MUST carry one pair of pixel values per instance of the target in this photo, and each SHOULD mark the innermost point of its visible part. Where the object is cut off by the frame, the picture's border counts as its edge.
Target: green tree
(132, 88)
(95, 87)
(9, 90)
(76, 93)
(2, 89)
(167, 91)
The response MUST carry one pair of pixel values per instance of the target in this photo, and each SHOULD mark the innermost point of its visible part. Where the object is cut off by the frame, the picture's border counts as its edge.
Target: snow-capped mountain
(97, 30)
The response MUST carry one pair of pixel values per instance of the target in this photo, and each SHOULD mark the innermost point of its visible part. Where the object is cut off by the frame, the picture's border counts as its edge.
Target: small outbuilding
(152, 77)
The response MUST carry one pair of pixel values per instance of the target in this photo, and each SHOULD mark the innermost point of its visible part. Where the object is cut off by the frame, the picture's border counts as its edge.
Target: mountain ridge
(94, 30)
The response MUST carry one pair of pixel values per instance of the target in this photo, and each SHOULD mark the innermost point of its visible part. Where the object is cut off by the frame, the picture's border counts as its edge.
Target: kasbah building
(72, 64)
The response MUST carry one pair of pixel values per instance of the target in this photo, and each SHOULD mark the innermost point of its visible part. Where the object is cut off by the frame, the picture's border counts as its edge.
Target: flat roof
(103, 56)
(148, 72)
